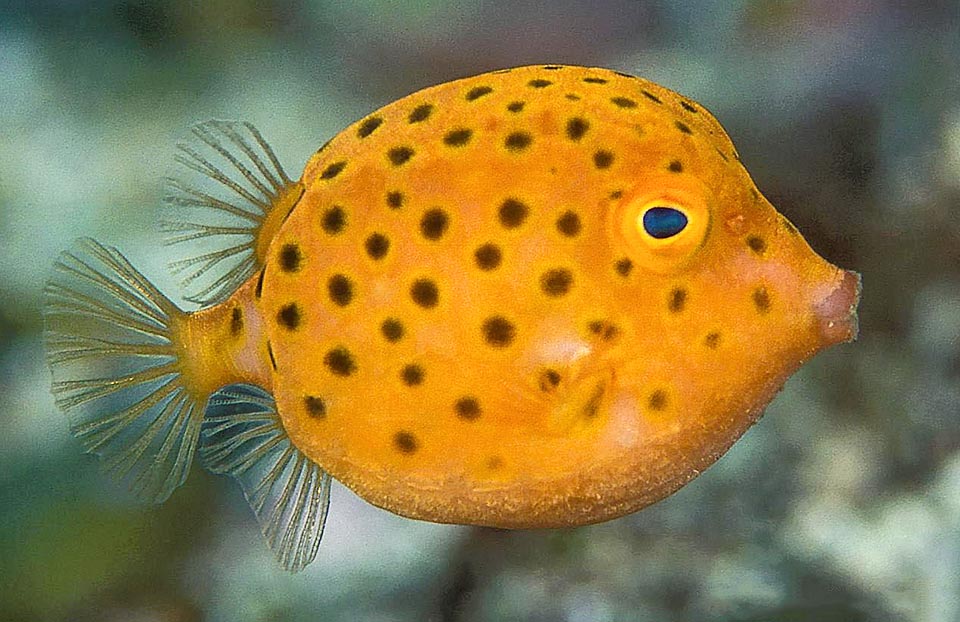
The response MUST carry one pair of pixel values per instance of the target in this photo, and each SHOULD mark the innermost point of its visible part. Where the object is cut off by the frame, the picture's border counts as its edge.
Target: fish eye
(663, 222)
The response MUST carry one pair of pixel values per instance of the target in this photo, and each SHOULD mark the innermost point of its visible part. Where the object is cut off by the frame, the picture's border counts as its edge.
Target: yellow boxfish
(538, 297)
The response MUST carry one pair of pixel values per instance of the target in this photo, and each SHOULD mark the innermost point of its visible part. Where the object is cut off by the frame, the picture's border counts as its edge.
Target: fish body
(538, 297)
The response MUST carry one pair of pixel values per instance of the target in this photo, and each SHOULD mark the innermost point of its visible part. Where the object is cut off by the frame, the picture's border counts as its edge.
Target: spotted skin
(464, 328)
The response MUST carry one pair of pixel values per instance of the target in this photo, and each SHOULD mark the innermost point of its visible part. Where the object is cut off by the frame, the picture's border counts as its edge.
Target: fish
(540, 297)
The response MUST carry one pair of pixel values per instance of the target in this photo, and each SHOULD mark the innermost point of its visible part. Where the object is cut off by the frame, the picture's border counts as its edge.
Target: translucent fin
(243, 437)
(235, 182)
(108, 339)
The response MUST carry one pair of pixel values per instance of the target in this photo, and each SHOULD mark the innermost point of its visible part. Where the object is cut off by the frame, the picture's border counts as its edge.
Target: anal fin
(243, 437)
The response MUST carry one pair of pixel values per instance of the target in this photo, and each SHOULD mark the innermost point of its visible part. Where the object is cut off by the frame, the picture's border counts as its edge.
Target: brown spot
(236, 321)
(420, 113)
(405, 442)
(395, 199)
(657, 400)
(333, 170)
(340, 361)
(512, 213)
(467, 408)
(289, 316)
(592, 406)
(334, 220)
(602, 159)
(315, 406)
(677, 300)
(549, 379)
(539, 83)
(369, 126)
(712, 340)
(556, 282)
(688, 106)
(515, 106)
(592, 80)
(488, 256)
(757, 244)
(498, 331)
(624, 266)
(651, 96)
(392, 330)
(675, 167)
(399, 156)
(478, 92)
(424, 292)
(412, 375)
(457, 137)
(340, 289)
(603, 329)
(761, 300)
(624, 102)
(494, 463)
(683, 127)
(568, 224)
(290, 258)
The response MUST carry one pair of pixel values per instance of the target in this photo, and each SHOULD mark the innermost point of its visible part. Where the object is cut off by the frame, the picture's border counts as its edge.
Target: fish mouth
(836, 312)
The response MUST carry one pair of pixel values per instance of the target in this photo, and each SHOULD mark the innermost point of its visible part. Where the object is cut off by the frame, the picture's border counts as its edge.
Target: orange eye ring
(669, 253)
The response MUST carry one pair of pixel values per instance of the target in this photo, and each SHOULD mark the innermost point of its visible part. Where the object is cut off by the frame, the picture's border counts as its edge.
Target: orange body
(462, 319)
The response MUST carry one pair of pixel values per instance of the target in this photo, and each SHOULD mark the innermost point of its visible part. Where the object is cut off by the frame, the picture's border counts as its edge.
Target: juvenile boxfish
(538, 297)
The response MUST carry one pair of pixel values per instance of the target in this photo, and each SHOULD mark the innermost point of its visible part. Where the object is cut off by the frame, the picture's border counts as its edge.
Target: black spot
(424, 292)
(467, 408)
(488, 256)
(512, 213)
(756, 244)
(405, 442)
(651, 96)
(340, 289)
(556, 282)
(657, 400)
(677, 300)
(624, 102)
(478, 92)
(458, 137)
(315, 406)
(625, 75)
(592, 80)
(623, 266)
(368, 126)
(498, 331)
(572, 97)
(236, 321)
(333, 170)
(334, 220)
(515, 106)
(723, 156)
(712, 340)
(602, 159)
(377, 245)
(539, 83)
(568, 224)
(420, 113)
(675, 167)
(273, 359)
(290, 258)
(603, 329)
(592, 406)
(289, 316)
(518, 141)
(549, 379)
(576, 128)
(412, 375)
(258, 292)
(392, 330)
(552, 67)
(399, 156)
(616, 194)
(340, 362)
(683, 127)
(688, 106)
(761, 300)
(434, 223)
(395, 199)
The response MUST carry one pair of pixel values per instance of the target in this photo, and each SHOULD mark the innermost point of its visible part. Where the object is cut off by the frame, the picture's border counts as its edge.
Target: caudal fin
(110, 341)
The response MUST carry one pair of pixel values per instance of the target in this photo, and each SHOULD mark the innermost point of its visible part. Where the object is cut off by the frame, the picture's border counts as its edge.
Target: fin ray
(108, 336)
(243, 437)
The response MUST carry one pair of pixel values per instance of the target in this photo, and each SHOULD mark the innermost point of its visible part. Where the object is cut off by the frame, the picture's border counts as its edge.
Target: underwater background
(842, 504)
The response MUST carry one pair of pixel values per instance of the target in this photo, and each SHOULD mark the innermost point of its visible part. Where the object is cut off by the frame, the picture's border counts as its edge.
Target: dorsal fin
(228, 207)
(243, 437)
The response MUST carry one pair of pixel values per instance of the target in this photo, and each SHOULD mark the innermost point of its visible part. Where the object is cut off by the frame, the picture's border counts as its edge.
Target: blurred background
(842, 504)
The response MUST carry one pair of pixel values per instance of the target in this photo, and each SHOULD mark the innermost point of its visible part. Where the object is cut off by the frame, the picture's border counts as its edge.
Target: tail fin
(235, 198)
(111, 345)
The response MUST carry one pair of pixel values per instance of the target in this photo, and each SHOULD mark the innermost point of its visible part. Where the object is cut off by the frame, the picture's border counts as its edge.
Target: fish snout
(836, 310)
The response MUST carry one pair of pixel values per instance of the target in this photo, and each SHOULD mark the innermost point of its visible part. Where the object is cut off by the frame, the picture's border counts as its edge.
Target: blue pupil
(664, 222)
